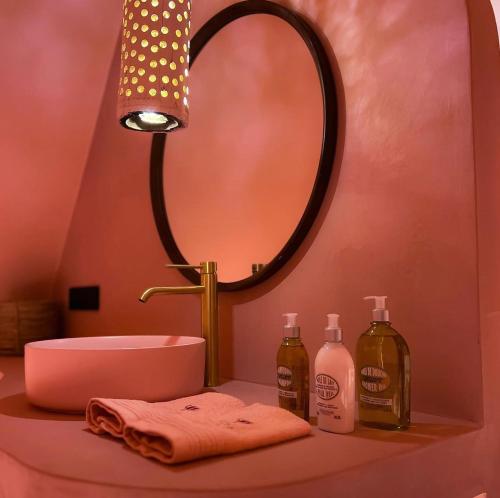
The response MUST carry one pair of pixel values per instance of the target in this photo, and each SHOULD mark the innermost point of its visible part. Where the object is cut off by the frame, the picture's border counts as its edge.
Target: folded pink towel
(193, 427)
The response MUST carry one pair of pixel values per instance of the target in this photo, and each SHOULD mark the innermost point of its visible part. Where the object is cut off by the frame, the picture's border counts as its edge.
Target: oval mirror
(243, 184)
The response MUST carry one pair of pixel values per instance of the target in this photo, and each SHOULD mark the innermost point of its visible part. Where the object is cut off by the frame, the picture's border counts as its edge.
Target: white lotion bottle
(334, 375)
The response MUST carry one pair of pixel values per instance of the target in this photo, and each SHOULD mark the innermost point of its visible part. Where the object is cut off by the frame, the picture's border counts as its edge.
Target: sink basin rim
(112, 343)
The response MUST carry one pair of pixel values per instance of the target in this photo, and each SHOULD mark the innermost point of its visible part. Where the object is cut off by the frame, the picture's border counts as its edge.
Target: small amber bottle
(293, 370)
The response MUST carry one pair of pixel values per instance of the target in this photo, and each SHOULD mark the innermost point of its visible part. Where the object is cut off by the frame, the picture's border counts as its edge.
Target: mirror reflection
(237, 181)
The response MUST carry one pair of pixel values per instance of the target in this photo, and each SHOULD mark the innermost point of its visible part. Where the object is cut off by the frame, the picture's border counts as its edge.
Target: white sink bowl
(63, 374)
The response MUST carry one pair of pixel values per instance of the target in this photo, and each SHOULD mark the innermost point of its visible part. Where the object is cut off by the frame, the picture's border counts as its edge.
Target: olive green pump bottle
(383, 373)
(293, 370)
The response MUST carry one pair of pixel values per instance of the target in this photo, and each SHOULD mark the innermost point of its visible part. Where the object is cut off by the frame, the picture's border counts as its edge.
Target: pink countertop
(54, 455)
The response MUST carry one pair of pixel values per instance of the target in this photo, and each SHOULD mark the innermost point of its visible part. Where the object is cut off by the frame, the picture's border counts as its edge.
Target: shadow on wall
(29, 289)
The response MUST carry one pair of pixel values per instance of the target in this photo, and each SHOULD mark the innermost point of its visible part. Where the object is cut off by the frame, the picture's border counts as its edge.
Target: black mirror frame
(328, 149)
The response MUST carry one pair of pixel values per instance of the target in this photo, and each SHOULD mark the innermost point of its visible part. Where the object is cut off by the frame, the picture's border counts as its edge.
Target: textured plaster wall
(55, 58)
(399, 218)
(485, 65)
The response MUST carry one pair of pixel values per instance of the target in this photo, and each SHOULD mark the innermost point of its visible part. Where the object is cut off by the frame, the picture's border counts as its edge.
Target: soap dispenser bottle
(383, 373)
(293, 370)
(335, 382)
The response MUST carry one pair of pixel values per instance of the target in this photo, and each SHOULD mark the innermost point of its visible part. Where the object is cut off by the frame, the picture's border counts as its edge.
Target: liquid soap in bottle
(383, 373)
(335, 382)
(293, 370)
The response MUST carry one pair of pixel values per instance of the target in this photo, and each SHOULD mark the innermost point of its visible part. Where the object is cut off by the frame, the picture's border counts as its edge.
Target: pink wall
(399, 218)
(55, 57)
(485, 65)
(112, 240)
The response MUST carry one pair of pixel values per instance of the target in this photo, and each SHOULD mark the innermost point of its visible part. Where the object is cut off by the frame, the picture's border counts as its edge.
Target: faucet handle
(205, 267)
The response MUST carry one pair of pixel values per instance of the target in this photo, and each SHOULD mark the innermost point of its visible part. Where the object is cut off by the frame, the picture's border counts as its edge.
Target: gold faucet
(209, 313)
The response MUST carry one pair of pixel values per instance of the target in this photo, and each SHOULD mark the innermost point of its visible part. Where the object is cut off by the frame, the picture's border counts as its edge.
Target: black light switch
(84, 298)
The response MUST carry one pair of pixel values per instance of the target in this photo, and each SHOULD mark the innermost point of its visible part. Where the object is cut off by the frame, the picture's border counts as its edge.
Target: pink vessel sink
(63, 374)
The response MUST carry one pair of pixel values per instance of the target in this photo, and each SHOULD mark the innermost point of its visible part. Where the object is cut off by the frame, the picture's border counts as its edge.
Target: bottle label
(284, 376)
(374, 379)
(329, 410)
(326, 387)
(375, 401)
(293, 388)
(287, 394)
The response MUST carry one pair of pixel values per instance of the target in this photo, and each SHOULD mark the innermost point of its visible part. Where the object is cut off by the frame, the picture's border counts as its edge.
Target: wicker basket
(27, 321)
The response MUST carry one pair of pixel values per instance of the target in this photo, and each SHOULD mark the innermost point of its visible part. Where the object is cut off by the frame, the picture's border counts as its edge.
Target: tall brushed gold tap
(209, 313)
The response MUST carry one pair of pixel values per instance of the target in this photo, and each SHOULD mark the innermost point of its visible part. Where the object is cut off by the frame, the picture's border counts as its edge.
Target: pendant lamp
(153, 89)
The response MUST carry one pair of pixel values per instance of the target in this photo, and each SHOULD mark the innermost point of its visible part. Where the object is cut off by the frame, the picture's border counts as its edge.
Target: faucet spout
(209, 313)
(189, 289)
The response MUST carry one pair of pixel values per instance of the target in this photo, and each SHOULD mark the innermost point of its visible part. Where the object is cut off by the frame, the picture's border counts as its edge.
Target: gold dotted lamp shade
(153, 90)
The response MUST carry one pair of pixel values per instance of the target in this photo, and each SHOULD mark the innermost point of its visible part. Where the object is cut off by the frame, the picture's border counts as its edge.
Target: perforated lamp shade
(153, 90)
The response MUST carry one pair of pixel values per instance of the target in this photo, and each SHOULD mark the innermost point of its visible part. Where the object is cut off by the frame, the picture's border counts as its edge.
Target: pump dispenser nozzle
(379, 313)
(333, 333)
(290, 328)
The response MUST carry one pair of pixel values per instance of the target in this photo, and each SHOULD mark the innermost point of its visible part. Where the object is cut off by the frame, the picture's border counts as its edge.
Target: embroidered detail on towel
(191, 407)
(243, 421)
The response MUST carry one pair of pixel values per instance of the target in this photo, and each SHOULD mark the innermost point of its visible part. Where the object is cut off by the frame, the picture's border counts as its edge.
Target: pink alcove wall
(55, 58)
(485, 66)
(399, 218)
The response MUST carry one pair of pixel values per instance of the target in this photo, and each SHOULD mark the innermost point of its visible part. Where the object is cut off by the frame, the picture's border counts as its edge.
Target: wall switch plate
(84, 298)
